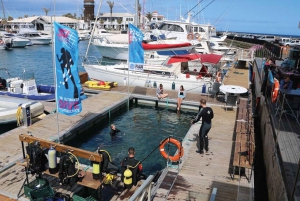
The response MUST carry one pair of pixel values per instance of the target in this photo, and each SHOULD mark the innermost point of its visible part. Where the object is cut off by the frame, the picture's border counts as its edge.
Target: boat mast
(3, 9)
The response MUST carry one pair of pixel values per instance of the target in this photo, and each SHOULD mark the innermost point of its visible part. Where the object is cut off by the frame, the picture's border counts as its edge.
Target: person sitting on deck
(203, 72)
(160, 92)
(181, 96)
(286, 83)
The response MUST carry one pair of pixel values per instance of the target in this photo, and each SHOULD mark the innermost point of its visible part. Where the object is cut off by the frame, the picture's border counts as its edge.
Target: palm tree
(149, 16)
(111, 5)
(46, 10)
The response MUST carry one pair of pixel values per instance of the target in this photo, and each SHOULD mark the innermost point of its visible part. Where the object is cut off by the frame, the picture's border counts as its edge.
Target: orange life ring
(190, 36)
(197, 35)
(179, 149)
(275, 90)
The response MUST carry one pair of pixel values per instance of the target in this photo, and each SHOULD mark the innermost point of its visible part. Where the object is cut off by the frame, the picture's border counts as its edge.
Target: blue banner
(66, 66)
(136, 51)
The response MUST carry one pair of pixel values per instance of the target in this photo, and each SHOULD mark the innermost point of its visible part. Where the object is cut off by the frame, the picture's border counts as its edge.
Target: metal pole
(136, 13)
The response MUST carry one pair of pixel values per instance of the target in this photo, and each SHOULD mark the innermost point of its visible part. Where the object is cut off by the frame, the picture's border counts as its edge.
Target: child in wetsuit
(113, 132)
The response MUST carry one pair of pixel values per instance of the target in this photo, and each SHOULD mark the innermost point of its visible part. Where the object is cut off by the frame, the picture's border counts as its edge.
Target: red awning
(162, 46)
(204, 58)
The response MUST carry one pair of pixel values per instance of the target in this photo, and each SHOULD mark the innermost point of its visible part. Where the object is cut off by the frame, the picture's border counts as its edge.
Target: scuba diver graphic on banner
(66, 50)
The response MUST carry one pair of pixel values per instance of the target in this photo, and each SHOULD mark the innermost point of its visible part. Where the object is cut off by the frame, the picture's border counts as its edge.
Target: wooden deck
(198, 176)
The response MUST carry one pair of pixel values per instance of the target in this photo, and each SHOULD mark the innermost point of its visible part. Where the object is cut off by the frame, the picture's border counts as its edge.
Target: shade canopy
(203, 58)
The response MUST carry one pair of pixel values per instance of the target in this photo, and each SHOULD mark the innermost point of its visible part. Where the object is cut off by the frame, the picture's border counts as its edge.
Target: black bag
(37, 158)
(67, 172)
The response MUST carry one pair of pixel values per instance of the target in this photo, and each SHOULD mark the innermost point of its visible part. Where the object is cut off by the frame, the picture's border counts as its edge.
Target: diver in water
(67, 62)
(113, 132)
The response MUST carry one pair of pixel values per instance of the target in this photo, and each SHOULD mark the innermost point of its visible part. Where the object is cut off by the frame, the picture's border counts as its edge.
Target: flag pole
(128, 31)
(54, 70)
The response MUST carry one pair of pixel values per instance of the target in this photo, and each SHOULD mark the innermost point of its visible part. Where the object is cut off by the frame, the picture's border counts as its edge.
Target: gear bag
(37, 158)
(68, 174)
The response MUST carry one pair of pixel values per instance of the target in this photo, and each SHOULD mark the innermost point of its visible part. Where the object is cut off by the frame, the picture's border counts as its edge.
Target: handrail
(146, 186)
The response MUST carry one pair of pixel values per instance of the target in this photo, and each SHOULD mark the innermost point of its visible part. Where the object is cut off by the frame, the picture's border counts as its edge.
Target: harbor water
(38, 59)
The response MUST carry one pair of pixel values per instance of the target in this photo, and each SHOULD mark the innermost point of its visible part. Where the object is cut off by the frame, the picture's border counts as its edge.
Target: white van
(268, 38)
(285, 41)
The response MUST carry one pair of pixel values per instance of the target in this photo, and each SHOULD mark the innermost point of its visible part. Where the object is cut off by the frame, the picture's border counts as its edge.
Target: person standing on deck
(207, 114)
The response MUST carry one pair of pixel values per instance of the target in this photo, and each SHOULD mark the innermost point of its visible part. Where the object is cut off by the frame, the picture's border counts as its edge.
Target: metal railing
(143, 191)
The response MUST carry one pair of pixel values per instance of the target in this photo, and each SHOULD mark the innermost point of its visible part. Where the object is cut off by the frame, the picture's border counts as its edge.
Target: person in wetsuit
(134, 165)
(207, 114)
(113, 132)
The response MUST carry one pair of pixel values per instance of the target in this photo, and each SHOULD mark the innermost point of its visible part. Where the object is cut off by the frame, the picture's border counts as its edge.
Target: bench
(244, 141)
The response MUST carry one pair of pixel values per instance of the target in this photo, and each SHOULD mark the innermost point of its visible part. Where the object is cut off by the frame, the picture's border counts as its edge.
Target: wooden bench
(244, 142)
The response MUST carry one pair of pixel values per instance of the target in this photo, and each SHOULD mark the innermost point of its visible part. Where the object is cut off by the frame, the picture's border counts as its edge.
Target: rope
(18, 114)
(69, 176)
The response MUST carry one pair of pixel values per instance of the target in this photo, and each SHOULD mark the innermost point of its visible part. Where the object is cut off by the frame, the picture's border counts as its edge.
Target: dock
(199, 178)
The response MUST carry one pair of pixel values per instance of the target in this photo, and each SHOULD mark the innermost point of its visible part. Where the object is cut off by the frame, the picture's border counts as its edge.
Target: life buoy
(197, 35)
(275, 90)
(190, 36)
(177, 144)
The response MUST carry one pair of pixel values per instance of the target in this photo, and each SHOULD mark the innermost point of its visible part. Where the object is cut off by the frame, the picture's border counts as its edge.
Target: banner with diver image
(68, 86)
(136, 51)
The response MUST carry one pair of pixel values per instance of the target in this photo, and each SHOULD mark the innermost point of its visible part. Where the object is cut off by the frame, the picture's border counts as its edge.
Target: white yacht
(36, 38)
(15, 40)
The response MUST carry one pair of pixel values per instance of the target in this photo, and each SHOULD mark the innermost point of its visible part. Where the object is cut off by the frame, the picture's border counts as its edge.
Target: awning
(203, 58)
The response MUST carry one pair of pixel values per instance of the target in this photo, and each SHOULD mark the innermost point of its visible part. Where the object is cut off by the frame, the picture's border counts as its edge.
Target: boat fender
(154, 84)
(173, 86)
(52, 161)
(127, 177)
(197, 35)
(190, 36)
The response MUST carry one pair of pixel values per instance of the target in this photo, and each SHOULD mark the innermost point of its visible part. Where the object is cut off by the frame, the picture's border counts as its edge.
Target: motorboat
(26, 88)
(83, 34)
(116, 46)
(99, 33)
(9, 107)
(16, 41)
(173, 72)
(34, 36)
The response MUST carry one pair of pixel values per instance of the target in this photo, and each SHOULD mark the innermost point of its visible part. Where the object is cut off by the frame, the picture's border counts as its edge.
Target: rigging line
(203, 8)
(224, 14)
(193, 7)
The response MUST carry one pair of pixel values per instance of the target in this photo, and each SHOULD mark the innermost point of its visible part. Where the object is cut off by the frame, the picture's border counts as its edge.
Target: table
(232, 89)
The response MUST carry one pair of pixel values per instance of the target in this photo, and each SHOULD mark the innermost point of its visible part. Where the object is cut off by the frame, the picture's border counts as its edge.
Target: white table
(232, 89)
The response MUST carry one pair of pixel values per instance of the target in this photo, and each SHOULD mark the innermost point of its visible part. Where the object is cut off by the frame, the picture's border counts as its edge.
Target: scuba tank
(96, 169)
(52, 161)
(127, 178)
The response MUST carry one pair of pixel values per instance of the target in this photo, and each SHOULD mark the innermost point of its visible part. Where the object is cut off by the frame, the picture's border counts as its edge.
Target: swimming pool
(142, 127)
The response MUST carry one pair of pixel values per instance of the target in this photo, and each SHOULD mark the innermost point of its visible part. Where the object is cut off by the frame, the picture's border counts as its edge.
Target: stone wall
(274, 178)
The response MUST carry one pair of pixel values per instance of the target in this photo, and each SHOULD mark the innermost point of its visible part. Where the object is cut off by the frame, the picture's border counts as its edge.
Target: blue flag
(66, 66)
(136, 51)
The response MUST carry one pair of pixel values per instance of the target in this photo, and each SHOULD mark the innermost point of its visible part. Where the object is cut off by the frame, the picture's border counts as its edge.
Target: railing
(144, 190)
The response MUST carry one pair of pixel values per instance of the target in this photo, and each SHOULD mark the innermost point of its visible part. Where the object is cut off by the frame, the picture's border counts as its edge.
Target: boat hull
(122, 77)
(9, 107)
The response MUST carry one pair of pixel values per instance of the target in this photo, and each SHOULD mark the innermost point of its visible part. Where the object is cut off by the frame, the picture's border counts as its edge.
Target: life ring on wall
(190, 36)
(197, 35)
(164, 153)
(275, 90)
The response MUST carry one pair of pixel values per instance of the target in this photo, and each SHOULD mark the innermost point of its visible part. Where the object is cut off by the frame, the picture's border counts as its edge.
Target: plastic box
(41, 193)
(35, 184)
(85, 194)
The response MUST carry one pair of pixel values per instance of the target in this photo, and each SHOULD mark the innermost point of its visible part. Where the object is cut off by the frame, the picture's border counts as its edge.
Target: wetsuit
(136, 169)
(207, 115)
(113, 133)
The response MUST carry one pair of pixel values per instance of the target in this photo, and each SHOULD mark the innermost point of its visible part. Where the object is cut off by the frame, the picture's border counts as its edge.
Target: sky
(279, 17)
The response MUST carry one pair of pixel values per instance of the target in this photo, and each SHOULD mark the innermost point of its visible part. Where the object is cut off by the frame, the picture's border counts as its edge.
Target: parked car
(271, 39)
(285, 41)
(294, 43)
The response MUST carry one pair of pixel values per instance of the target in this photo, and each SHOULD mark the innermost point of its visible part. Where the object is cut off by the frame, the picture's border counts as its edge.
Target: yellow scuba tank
(52, 161)
(96, 170)
(127, 178)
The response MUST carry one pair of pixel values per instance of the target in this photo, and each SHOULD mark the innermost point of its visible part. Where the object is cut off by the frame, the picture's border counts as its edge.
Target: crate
(41, 193)
(85, 194)
(35, 184)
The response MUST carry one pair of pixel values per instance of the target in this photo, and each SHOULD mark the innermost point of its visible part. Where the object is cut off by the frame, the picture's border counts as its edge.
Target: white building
(116, 21)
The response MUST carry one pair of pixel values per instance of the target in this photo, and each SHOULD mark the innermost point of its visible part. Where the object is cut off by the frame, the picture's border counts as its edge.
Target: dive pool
(142, 127)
